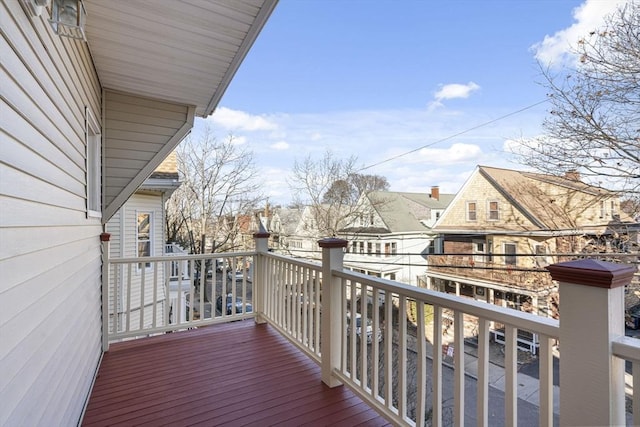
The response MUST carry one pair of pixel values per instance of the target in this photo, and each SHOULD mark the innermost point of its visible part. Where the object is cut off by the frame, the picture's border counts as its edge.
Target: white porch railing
(396, 366)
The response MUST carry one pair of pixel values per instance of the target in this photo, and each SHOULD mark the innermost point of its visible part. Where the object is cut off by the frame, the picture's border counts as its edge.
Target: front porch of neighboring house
(274, 345)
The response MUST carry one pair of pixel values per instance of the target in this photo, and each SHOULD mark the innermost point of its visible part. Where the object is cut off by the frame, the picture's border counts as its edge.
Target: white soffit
(182, 51)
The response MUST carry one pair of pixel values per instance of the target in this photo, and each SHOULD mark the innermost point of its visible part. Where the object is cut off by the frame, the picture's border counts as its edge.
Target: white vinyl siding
(136, 128)
(50, 325)
(123, 227)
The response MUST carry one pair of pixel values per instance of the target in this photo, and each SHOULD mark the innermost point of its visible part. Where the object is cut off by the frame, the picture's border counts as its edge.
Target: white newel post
(331, 324)
(104, 238)
(259, 275)
(591, 317)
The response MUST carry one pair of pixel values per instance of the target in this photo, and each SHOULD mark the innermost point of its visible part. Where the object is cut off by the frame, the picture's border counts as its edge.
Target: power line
(454, 135)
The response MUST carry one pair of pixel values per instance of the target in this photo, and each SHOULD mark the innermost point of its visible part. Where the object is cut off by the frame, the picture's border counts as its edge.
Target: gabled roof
(165, 178)
(185, 52)
(403, 212)
(168, 169)
(548, 202)
(545, 198)
(289, 219)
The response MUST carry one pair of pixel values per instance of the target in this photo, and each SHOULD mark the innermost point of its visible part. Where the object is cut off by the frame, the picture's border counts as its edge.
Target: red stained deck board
(238, 373)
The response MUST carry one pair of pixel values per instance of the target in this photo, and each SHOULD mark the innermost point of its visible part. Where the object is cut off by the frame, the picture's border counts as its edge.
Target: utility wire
(454, 135)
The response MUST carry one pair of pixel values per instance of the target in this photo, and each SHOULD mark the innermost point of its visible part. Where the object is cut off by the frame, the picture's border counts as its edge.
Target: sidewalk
(528, 386)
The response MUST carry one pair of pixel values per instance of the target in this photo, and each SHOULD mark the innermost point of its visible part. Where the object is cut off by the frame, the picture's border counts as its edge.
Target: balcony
(284, 352)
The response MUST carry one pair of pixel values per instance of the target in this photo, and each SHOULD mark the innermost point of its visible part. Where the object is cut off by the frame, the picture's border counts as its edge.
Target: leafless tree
(330, 187)
(219, 186)
(593, 125)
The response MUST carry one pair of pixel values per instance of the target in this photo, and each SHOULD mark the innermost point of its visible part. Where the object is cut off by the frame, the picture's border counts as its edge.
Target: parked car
(228, 306)
(358, 328)
(237, 276)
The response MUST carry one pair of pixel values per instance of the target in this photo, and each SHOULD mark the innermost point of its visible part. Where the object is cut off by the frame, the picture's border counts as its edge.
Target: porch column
(331, 323)
(105, 238)
(591, 317)
(259, 275)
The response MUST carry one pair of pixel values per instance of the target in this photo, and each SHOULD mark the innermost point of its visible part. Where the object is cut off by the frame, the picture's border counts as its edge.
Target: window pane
(144, 249)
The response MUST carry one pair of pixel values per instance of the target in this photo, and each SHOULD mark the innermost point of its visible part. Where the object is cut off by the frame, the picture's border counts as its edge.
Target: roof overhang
(185, 52)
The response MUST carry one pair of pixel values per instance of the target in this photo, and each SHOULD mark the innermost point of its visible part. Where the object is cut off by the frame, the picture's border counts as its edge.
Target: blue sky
(377, 78)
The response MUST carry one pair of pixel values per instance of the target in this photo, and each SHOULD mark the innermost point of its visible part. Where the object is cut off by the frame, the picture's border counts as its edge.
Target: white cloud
(456, 153)
(555, 49)
(280, 145)
(455, 90)
(239, 140)
(240, 121)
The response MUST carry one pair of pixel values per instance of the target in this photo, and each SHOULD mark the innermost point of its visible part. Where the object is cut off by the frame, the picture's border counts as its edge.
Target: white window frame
(93, 156)
(150, 238)
(479, 250)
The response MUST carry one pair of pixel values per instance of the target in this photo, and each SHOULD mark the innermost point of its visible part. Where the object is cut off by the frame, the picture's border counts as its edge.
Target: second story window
(494, 211)
(472, 212)
(603, 209)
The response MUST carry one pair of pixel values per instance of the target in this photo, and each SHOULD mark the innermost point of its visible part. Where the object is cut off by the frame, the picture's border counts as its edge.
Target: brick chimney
(435, 192)
(572, 174)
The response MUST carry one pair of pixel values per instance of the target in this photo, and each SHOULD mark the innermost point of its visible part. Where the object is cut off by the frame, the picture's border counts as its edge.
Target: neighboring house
(392, 233)
(504, 226)
(84, 124)
(301, 228)
(281, 223)
(138, 229)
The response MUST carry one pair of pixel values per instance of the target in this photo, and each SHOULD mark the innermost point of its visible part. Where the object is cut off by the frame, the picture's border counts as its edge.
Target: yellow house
(503, 226)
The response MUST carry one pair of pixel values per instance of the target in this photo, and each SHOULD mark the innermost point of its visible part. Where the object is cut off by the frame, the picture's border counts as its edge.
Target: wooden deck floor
(234, 374)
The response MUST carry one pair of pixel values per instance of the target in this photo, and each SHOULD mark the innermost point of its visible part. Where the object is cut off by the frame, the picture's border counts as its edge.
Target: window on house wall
(387, 249)
(603, 209)
(143, 235)
(361, 244)
(378, 249)
(369, 248)
(93, 141)
(510, 257)
(472, 211)
(494, 210)
(479, 250)
(394, 248)
(489, 256)
(614, 211)
(541, 256)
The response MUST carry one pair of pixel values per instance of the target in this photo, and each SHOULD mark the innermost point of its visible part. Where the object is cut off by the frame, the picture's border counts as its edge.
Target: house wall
(123, 244)
(135, 129)
(406, 265)
(50, 254)
(481, 191)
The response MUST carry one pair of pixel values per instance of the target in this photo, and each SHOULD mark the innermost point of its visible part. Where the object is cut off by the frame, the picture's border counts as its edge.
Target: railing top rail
(295, 261)
(627, 348)
(180, 257)
(519, 319)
